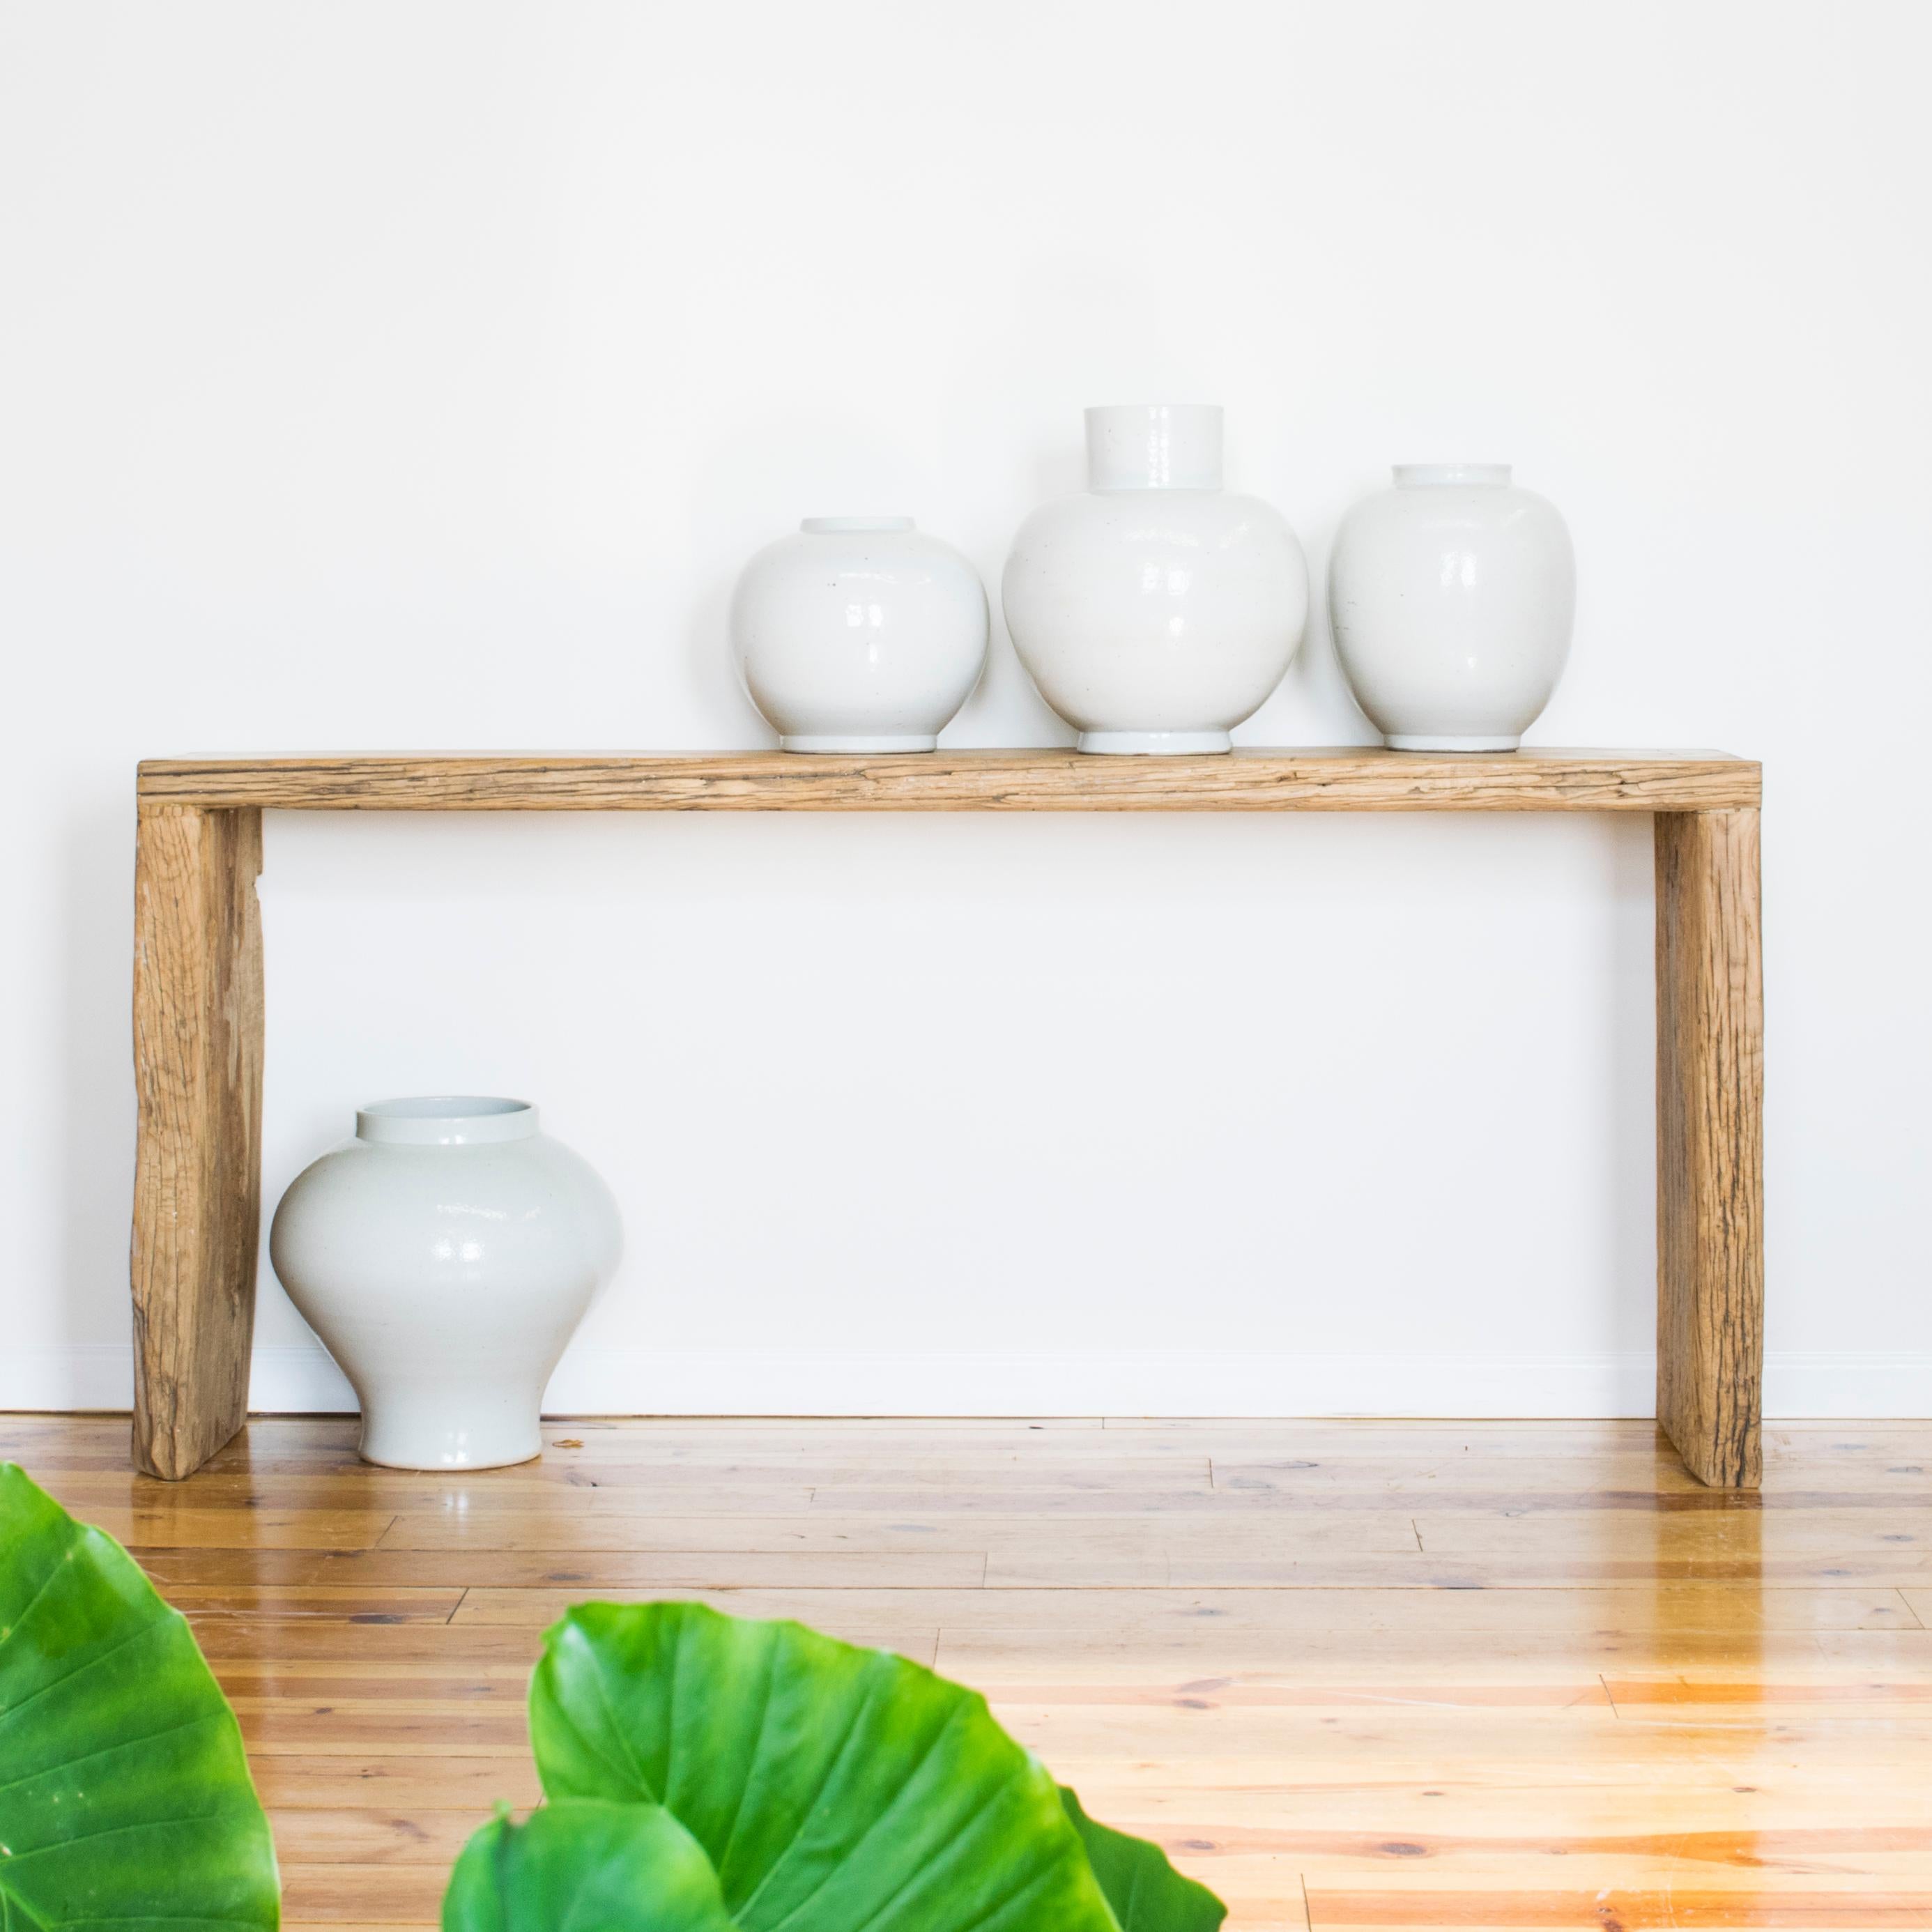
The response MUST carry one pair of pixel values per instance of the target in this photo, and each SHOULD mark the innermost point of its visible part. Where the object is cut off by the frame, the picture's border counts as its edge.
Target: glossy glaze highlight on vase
(1452, 596)
(1154, 612)
(444, 1255)
(858, 634)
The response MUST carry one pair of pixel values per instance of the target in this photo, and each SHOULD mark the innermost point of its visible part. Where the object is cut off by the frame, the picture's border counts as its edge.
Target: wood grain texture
(1710, 1156)
(1348, 778)
(1416, 1675)
(198, 1083)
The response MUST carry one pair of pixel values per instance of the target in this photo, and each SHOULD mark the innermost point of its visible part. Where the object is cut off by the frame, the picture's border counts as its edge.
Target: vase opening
(445, 1120)
(1154, 446)
(1438, 475)
(822, 526)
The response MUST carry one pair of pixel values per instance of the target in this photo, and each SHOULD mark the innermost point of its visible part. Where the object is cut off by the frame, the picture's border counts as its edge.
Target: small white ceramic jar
(858, 634)
(1452, 597)
(445, 1256)
(1155, 612)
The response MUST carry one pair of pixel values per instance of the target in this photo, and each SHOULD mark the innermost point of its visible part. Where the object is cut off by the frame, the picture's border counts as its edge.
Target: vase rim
(445, 1120)
(1154, 446)
(1438, 475)
(1203, 410)
(819, 526)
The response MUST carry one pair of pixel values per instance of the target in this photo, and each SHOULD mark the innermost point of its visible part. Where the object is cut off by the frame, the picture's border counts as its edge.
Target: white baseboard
(1802, 1385)
(1182, 1382)
(82, 1374)
(1799, 1385)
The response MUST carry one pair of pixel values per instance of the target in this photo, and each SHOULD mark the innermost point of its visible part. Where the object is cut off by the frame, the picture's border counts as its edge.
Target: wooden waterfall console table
(198, 1001)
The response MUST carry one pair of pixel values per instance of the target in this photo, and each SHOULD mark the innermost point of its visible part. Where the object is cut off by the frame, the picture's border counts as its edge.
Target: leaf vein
(13, 1711)
(757, 1745)
(912, 1771)
(864, 1705)
(121, 1743)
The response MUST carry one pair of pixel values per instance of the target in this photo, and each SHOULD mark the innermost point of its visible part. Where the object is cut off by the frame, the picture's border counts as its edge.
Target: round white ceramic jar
(1155, 612)
(858, 634)
(1452, 597)
(444, 1255)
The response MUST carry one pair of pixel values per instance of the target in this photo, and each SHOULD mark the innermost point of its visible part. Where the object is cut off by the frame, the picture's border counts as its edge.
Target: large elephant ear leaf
(585, 1866)
(124, 1794)
(1146, 1892)
(831, 1787)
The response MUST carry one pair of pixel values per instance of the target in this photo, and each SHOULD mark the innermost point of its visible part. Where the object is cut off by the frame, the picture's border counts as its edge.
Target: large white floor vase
(858, 634)
(1452, 597)
(1156, 612)
(444, 1255)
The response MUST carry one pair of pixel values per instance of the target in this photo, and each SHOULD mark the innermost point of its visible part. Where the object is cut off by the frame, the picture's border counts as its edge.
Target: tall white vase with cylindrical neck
(444, 1255)
(1452, 596)
(1156, 612)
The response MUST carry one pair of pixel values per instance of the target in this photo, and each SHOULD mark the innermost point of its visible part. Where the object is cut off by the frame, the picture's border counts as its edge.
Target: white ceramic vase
(444, 1255)
(1452, 597)
(858, 634)
(1155, 612)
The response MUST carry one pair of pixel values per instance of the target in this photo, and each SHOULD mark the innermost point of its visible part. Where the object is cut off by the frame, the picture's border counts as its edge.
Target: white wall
(418, 375)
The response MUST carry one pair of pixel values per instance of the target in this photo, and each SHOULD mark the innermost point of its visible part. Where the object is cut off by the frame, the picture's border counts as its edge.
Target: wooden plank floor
(1351, 1675)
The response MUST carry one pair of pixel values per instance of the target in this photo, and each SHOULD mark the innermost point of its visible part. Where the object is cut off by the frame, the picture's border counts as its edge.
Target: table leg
(197, 1164)
(1710, 1148)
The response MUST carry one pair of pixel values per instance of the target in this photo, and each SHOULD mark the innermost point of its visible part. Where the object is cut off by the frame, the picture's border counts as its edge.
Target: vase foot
(1155, 744)
(451, 1436)
(841, 741)
(407, 1461)
(1413, 741)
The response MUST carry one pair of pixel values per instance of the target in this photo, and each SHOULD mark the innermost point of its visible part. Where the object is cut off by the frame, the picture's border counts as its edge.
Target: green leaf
(124, 1795)
(1146, 1892)
(832, 1789)
(585, 1866)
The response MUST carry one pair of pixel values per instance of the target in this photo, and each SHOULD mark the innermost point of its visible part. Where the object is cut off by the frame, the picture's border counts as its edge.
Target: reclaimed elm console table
(198, 1001)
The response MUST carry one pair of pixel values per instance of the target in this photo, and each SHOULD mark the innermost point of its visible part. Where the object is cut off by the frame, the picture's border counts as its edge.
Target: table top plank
(1326, 779)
